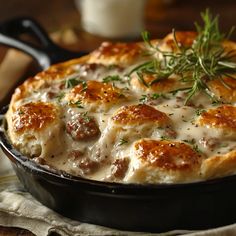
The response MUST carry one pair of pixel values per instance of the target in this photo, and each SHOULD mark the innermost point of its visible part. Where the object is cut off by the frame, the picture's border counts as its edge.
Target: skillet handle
(46, 54)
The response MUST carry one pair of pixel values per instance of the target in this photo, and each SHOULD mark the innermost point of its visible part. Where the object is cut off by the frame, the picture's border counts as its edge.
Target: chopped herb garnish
(122, 142)
(193, 143)
(222, 145)
(190, 141)
(20, 112)
(216, 103)
(164, 138)
(111, 78)
(148, 97)
(84, 85)
(196, 148)
(206, 59)
(78, 104)
(86, 118)
(111, 67)
(199, 111)
(143, 99)
(60, 96)
(70, 83)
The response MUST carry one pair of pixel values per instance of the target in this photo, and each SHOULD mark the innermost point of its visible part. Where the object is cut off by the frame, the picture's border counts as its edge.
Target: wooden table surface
(161, 16)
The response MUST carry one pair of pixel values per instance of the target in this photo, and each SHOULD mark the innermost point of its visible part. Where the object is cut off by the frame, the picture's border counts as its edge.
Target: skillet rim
(113, 187)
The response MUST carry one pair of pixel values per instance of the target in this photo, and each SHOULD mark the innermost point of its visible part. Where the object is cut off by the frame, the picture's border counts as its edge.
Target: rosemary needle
(206, 59)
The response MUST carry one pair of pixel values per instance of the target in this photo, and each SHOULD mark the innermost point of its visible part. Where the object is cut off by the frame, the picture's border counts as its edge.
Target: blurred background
(160, 16)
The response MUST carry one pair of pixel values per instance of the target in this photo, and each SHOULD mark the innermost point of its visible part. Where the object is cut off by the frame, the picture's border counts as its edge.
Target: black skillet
(152, 208)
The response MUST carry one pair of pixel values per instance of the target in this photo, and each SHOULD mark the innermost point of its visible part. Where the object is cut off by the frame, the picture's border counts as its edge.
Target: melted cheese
(117, 129)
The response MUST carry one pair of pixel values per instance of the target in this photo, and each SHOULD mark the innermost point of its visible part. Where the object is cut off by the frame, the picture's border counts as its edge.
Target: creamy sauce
(107, 147)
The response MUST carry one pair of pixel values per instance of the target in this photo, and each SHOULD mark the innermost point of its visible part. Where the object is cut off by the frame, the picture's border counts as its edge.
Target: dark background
(160, 16)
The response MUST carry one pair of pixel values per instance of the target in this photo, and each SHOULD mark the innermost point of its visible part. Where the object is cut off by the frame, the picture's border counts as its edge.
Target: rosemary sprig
(206, 59)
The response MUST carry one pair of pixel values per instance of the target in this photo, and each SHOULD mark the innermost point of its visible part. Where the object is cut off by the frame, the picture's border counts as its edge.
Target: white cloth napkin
(19, 209)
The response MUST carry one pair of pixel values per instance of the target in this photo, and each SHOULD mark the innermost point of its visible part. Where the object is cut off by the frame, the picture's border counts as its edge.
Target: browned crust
(226, 90)
(184, 39)
(34, 116)
(223, 117)
(140, 114)
(43, 79)
(167, 155)
(95, 92)
(117, 53)
(161, 86)
(219, 165)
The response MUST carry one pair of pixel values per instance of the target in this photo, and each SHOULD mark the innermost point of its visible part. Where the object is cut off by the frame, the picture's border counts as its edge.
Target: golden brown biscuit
(35, 127)
(222, 118)
(117, 53)
(220, 165)
(96, 95)
(33, 116)
(140, 114)
(164, 161)
(151, 83)
(224, 90)
(183, 38)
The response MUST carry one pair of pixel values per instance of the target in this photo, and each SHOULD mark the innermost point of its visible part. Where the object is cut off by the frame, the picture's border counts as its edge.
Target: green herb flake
(70, 83)
(196, 148)
(190, 141)
(20, 112)
(198, 112)
(111, 78)
(78, 104)
(149, 97)
(86, 118)
(143, 99)
(163, 137)
(60, 96)
(122, 142)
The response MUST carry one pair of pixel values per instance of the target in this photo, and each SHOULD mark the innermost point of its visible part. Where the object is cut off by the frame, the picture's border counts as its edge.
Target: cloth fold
(19, 209)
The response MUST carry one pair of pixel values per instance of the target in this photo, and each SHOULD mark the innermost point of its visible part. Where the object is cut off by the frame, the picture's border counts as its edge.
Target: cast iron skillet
(153, 208)
(45, 52)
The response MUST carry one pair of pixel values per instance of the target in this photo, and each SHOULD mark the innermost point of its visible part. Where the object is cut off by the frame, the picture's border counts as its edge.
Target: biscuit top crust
(95, 92)
(117, 53)
(224, 93)
(223, 117)
(167, 155)
(34, 116)
(184, 39)
(140, 114)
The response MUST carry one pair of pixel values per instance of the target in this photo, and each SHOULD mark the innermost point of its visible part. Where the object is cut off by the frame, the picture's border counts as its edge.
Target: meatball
(119, 168)
(84, 163)
(82, 127)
